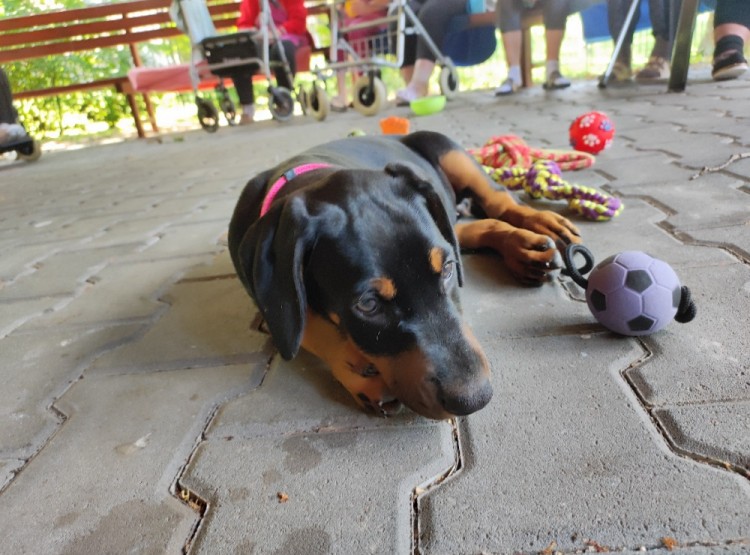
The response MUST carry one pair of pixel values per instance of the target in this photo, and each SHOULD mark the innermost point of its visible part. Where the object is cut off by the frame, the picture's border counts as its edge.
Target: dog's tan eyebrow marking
(334, 318)
(437, 259)
(385, 287)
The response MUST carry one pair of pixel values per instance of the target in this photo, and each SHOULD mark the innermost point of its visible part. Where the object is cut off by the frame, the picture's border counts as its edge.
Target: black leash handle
(570, 268)
(687, 309)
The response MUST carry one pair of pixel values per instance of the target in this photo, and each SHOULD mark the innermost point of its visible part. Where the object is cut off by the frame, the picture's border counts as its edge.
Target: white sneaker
(509, 86)
(405, 96)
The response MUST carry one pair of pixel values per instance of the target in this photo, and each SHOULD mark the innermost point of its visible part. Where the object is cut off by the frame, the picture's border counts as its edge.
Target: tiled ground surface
(142, 410)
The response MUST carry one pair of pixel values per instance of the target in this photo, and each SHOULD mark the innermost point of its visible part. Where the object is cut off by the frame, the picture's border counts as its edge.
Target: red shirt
(295, 24)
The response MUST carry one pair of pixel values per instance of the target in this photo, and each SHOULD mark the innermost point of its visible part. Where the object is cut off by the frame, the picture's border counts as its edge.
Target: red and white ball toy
(592, 132)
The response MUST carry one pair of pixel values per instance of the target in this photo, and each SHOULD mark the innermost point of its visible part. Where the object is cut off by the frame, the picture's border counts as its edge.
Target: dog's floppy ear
(434, 203)
(270, 264)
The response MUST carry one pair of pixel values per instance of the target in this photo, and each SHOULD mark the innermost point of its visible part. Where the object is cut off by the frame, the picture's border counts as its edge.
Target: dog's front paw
(553, 225)
(532, 258)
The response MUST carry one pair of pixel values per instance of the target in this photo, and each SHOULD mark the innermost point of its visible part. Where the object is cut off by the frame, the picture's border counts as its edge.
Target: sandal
(556, 81)
(336, 107)
(621, 73)
(656, 69)
(729, 65)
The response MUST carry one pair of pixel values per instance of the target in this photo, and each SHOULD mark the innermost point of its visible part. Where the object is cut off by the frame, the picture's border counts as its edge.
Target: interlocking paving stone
(657, 166)
(121, 292)
(720, 432)
(102, 483)
(564, 448)
(496, 307)
(299, 396)
(38, 368)
(139, 230)
(535, 475)
(63, 274)
(729, 207)
(704, 360)
(348, 476)
(188, 335)
(17, 258)
(184, 239)
(15, 314)
(8, 468)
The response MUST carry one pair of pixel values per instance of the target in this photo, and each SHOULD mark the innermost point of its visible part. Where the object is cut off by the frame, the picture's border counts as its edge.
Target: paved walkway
(143, 411)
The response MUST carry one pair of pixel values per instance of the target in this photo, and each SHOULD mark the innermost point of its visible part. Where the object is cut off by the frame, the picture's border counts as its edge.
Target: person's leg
(617, 11)
(731, 31)
(733, 11)
(555, 18)
(657, 67)
(283, 78)
(410, 58)
(340, 101)
(508, 21)
(243, 84)
(8, 113)
(434, 16)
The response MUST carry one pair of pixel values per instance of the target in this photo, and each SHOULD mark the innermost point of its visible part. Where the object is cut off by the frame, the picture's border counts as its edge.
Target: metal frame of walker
(281, 99)
(369, 91)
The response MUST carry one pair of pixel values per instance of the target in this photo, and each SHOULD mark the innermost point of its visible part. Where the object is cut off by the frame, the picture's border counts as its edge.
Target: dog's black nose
(461, 405)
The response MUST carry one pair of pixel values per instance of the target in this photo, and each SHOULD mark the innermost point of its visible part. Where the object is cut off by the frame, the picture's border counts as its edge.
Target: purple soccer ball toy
(631, 293)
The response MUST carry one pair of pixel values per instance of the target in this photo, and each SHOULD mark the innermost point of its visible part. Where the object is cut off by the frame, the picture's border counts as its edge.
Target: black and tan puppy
(351, 250)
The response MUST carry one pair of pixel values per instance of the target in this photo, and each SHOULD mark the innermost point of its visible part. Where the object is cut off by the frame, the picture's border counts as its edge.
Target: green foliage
(47, 117)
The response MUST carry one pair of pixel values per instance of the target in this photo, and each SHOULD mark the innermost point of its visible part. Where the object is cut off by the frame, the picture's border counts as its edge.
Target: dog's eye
(447, 272)
(368, 305)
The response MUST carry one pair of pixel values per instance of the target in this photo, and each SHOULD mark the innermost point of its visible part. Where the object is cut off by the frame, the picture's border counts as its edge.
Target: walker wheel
(207, 115)
(318, 103)
(30, 151)
(369, 95)
(448, 80)
(280, 103)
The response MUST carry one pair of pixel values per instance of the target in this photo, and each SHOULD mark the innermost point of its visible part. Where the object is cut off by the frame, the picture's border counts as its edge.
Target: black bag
(231, 48)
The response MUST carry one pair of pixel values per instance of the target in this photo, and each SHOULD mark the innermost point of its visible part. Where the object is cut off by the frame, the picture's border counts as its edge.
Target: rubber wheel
(281, 103)
(448, 81)
(369, 95)
(318, 103)
(30, 152)
(207, 115)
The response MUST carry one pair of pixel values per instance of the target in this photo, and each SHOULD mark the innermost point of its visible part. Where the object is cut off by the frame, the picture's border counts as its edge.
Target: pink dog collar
(284, 179)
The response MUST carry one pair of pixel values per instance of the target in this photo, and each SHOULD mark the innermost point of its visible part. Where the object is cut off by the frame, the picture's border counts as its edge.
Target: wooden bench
(61, 33)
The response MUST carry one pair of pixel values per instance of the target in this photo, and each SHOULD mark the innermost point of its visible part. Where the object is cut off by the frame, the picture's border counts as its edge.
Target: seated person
(555, 13)
(290, 18)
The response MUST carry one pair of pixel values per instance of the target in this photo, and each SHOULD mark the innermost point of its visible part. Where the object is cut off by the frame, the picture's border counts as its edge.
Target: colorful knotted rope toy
(511, 162)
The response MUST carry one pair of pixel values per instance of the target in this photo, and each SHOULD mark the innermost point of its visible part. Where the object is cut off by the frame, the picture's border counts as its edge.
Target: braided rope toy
(510, 162)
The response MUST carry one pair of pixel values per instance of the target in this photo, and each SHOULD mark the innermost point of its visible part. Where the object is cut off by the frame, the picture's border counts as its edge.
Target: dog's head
(374, 252)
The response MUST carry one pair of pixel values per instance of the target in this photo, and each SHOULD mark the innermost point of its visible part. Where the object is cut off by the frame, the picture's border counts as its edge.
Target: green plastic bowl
(427, 105)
